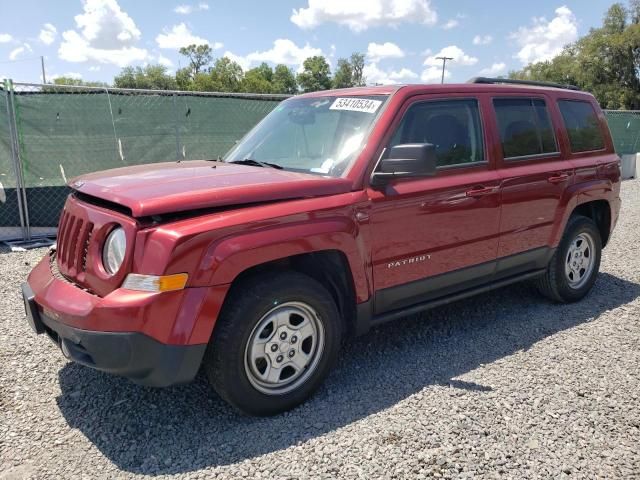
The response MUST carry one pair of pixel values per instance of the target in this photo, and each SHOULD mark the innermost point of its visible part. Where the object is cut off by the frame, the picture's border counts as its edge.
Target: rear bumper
(129, 354)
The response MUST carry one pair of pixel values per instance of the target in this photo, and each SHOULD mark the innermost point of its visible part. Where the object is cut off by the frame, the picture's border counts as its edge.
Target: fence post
(176, 117)
(16, 161)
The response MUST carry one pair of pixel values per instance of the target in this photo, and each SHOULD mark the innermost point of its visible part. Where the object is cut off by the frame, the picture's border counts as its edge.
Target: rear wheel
(274, 343)
(574, 266)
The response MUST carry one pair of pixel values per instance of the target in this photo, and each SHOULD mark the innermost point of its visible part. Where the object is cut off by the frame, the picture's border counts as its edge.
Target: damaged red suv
(339, 211)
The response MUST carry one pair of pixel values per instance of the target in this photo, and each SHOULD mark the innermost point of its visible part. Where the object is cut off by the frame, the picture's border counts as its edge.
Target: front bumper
(129, 354)
(155, 339)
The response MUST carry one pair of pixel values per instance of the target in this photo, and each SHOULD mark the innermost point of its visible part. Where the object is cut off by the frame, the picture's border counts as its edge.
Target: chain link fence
(51, 133)
(63, 131)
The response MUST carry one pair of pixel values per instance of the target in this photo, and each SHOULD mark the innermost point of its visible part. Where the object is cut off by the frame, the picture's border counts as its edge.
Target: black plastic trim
(396, 302)
(140, 358)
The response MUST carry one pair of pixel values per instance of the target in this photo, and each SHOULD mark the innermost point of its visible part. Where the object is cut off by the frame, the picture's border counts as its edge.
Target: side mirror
(409, 160)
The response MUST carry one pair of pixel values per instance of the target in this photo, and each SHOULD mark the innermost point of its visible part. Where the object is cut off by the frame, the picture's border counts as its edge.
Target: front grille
(74, 235)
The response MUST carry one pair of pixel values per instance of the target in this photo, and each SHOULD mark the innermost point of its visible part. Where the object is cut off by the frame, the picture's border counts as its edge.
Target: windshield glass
(317, 135)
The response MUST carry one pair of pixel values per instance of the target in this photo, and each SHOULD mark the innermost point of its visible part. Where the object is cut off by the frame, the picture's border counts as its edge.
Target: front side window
(582, 125)
(452, 126)
(525, 127)
(320, 135)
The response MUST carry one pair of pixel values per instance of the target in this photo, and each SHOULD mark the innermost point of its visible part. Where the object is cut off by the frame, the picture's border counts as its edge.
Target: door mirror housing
(409, 160)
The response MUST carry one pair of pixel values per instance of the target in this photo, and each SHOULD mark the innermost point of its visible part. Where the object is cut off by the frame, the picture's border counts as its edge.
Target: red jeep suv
(340, 210)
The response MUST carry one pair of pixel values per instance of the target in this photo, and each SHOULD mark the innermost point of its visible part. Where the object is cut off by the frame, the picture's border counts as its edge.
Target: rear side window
(452, 126)
(582, 125)
(525, 127)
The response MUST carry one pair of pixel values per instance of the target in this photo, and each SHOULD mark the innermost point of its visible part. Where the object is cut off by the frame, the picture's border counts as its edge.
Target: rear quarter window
(582, 124)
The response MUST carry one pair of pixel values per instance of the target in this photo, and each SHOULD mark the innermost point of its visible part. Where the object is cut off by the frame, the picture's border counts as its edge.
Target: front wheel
(573, 269)
(275, 342)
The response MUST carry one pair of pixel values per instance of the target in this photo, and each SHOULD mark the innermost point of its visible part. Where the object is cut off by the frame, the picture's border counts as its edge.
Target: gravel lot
(506, 384)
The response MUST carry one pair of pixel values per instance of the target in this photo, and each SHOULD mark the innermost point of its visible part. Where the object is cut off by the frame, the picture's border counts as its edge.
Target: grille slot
(74, 235)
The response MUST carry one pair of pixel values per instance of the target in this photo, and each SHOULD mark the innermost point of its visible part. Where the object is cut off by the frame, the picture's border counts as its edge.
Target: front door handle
(481, 191)
(558, 178)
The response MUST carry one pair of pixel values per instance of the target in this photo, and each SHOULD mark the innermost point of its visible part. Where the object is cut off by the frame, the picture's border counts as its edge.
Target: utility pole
(44, 78)
(444, 63)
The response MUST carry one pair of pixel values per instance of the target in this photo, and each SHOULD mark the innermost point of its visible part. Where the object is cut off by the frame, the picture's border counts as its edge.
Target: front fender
(227, 257)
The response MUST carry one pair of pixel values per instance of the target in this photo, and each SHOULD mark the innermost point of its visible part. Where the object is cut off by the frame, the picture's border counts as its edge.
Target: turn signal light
(155, 283)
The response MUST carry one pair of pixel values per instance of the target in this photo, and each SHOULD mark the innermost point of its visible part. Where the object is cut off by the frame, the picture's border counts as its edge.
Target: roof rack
(512, 81)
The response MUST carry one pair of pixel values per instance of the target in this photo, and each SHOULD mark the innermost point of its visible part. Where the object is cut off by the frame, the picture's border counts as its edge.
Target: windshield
(317, 135)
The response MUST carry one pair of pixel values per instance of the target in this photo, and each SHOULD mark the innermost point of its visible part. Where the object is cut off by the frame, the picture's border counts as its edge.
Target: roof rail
(513, 81)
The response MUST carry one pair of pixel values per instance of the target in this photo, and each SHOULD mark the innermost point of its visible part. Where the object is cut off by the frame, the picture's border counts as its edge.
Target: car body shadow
(186, 428)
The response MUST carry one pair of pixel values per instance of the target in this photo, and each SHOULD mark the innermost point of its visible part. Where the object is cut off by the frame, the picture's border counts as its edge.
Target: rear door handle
(481, 191)
(558, 178)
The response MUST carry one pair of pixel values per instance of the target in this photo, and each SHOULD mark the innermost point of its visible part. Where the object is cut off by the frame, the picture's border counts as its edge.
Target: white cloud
(494, 69)
(75, 75)
(17, 52)
(242, 61)
(360, 15)
(5, 38)
(374, 75)
(283, 51)
(48, 34)
(164, 61)
(107, 34)
(482, 39)
(180, 36)
(434, 74)
(95, 68)
(453, 23)
(544, 39)
(187, 9)
(379, 51)
(459, 57)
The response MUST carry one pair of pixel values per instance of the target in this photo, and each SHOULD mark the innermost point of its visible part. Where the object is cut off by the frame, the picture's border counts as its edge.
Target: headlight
(113, 251)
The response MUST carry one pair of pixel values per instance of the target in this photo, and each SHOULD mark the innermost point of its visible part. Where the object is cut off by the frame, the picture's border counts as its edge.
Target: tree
(357, 69)
(224, 76)
(316, 74)
(605, 62)
(258, 80)
(199, 56)
(150, 77)
(77, 82)
(343, 77)
(284, 81)
(183, 78)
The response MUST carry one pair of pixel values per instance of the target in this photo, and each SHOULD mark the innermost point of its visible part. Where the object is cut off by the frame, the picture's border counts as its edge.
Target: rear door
(534, 174)
(431, 236)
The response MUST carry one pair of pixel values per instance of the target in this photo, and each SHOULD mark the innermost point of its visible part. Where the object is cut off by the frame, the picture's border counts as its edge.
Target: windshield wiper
(257, 163)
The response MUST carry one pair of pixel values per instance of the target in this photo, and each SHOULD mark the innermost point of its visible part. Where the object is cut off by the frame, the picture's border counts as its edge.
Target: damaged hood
(180, 186)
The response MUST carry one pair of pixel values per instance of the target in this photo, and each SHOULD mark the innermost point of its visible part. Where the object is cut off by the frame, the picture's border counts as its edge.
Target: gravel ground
(506, 385)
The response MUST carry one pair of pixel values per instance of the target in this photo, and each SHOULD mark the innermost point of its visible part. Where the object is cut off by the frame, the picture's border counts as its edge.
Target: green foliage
(227, 76)
(153, 77)
(199, 56)
(316, 74)
(284, 81)
(77, 82)
(605, 62)
(343, 78)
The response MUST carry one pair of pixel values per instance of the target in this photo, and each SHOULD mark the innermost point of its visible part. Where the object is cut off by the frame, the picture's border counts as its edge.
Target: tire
(557, 283)
(248, 345)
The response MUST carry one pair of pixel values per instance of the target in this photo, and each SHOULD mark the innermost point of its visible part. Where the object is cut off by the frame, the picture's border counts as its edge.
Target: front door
(432, 236)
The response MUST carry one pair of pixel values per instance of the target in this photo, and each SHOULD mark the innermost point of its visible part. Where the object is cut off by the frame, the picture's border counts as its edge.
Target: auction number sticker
(356, 104)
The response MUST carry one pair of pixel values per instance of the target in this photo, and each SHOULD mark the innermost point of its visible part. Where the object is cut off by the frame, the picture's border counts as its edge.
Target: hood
(179, 186)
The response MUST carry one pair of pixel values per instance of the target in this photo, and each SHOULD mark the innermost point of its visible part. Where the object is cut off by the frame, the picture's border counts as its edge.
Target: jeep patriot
(340, 210)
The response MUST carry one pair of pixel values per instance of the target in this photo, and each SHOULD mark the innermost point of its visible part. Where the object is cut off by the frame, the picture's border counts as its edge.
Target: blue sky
(94, 39)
